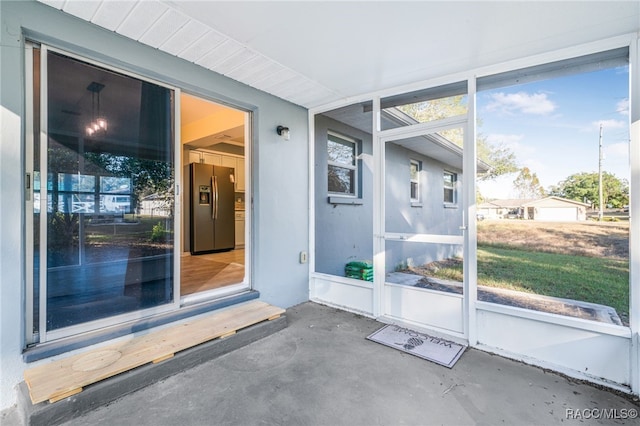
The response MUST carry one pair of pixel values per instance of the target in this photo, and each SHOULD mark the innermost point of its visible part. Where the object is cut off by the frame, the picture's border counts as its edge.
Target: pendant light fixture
(98, 123)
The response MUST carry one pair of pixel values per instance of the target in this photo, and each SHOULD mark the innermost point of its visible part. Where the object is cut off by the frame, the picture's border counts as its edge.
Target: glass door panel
(108, 144)
(423, 229)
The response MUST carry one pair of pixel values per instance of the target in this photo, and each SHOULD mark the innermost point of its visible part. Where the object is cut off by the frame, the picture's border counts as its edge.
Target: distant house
(154, 205)
(555, 209)
(552, 209)
(502, 209)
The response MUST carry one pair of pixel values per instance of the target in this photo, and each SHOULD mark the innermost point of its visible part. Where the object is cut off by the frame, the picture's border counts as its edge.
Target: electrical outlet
(303, 257)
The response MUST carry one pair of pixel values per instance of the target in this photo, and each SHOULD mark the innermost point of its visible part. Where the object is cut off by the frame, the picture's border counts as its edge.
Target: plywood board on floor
(58, 379)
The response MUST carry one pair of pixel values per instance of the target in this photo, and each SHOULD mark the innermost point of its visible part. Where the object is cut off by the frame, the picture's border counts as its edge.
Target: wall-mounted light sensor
(284, 132)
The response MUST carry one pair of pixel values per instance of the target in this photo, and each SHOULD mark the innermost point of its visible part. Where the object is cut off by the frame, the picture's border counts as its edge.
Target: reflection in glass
(340, 151)
(342, 166)
(414, 173)
(102, 258)
(341, 180)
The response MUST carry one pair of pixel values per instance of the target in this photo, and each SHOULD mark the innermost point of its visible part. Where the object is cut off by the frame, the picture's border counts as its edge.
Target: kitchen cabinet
(194, 156)
(240, 174)
(229, 162)
(210, 158)
(240, 222)
(216, 159)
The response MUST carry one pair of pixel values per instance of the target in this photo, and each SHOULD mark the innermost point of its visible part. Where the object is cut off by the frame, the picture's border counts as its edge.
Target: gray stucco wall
(430, 217)
(280, 168)
(343, 232)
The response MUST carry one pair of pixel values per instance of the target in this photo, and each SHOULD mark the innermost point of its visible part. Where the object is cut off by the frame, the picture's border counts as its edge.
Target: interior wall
(280, 177)
(220, 121)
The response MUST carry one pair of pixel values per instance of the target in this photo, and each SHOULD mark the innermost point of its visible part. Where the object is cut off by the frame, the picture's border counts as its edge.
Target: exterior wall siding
(430, 217)
(343, 231)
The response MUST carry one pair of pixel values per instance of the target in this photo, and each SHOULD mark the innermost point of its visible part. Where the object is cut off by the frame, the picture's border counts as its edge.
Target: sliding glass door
(100, 141)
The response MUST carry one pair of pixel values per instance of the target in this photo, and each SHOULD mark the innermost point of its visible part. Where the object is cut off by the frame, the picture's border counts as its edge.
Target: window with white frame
(450, 187)
(415, 167)
(342, 153)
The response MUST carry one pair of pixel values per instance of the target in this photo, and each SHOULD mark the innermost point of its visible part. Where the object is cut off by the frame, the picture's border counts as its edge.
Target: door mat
(440, 351)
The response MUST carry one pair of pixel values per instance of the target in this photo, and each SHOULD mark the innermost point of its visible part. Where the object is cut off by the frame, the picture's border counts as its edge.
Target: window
(450, 187)
(414, 179)
(342, 164)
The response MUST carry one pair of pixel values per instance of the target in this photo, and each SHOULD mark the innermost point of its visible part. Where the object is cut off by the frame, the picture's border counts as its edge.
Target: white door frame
(43, 335)
(466, 203)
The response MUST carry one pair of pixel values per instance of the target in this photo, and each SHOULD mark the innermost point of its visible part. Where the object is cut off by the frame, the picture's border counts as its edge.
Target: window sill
(345, 200)
(450, 206)
(416, 204)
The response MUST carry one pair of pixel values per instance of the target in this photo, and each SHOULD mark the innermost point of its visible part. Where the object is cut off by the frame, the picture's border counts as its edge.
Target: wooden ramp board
(59, 379)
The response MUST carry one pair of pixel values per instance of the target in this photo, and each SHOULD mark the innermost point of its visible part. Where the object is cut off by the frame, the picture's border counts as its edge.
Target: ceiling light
(98, 123)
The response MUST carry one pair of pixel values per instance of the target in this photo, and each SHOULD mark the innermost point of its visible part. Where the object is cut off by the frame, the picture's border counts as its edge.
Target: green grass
(138, 230)
(589, 279)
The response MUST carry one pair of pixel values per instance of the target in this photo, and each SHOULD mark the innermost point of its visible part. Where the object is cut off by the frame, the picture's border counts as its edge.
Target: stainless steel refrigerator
(212, 208)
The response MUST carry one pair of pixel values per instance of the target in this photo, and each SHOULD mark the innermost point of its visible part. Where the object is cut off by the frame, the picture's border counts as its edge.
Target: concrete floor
(321, 370)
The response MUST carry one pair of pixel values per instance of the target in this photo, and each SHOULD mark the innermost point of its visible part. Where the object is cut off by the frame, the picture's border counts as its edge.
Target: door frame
(43, 335)
(247, 282)
(466, 203)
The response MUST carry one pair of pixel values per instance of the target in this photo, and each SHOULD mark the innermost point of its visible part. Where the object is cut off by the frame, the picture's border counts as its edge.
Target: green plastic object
(359, 269)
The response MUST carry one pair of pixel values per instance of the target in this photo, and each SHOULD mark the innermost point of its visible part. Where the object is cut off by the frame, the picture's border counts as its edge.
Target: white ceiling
(313, 53)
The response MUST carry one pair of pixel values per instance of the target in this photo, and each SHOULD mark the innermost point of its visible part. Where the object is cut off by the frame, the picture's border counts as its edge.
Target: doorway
(104, 161)
(215, 219)
(423, 223)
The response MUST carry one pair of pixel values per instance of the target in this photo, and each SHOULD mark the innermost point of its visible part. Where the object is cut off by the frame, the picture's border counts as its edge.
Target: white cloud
(536, 103)
(617, 150)
(512, 142)
(610, 124)
(622, 107)
(509, 140)
(500, 188)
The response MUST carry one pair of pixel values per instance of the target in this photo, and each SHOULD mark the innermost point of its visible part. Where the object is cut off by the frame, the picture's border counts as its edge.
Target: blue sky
(553, 126)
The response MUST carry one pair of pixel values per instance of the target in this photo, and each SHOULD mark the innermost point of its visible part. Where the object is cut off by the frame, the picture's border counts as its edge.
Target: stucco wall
(431, 216)
(280, 171)
(343, 232)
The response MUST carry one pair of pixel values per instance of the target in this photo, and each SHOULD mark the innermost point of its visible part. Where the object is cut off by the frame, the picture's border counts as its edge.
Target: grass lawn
(554, 260)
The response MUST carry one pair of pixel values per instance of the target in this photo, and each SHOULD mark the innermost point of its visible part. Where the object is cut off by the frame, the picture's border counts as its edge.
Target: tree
(500, 159)
(148, 176)
(583, 187)
(528, 185)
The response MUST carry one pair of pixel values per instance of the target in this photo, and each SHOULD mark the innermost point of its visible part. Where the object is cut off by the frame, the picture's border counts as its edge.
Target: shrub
(158, 233)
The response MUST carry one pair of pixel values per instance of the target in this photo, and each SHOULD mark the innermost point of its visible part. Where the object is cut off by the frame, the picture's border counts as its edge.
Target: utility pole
(600, 207)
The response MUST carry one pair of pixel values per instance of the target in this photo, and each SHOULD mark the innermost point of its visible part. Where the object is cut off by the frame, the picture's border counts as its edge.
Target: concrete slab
(321, 370)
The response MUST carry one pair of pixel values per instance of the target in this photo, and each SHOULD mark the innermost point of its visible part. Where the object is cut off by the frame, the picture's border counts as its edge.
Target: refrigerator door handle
(214, 184)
